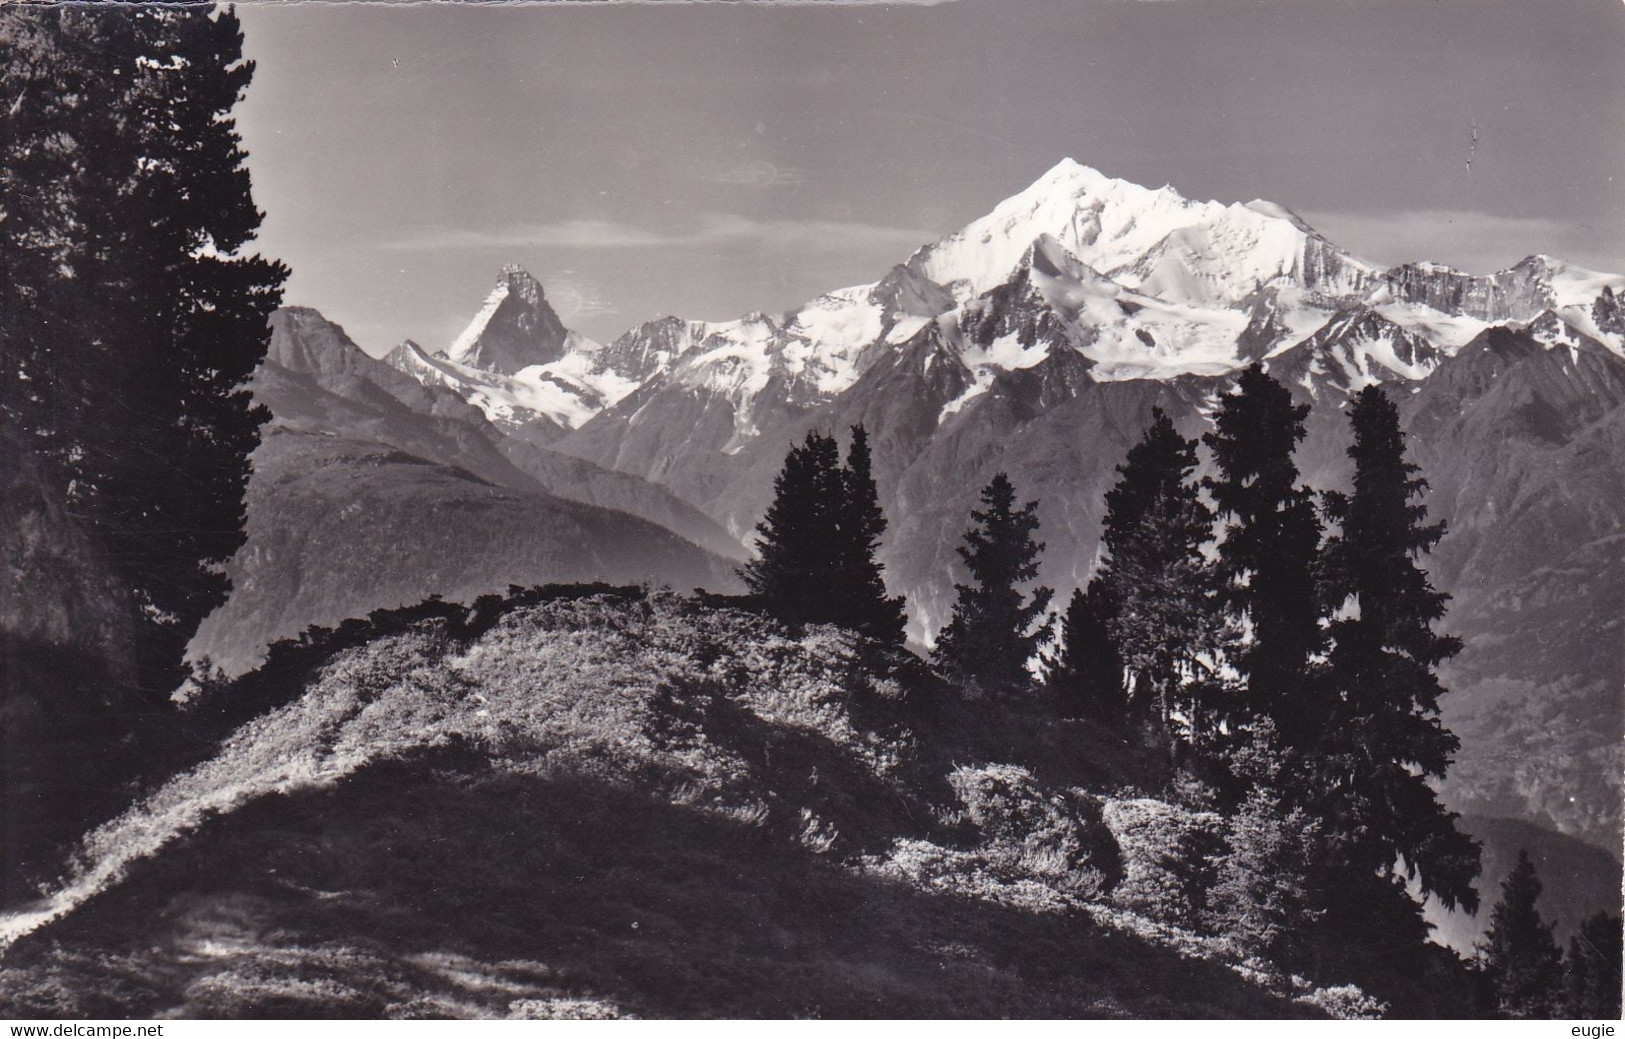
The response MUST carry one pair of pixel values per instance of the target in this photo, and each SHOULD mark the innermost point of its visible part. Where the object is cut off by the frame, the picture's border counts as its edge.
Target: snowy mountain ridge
(1156, 242)
(1142, 283)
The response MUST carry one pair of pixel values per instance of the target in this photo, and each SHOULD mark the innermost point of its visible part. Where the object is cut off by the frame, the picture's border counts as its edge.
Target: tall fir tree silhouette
(1384, 739)
(798, 547)
(1520, 958)
(1165, 623)
(131, 318)
(1086, 672)
(860, 587)
(1268, 554)
(995, 628)
(816, 545)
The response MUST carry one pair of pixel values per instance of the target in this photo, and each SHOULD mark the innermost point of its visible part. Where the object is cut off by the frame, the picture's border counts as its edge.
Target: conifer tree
(1263, 897)
(1520, 958)
(1165, 622)
(1594, 969)
(859, 594)
(995, 628)
(816, 544)
(130, 319)
(798, 540)
(1268, 554)
(1086, 672)
(1371, 931)
(1384, 740)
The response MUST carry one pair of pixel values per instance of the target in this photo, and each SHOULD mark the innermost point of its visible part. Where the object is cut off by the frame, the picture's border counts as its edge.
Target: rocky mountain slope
(1037, 339)
(316, 380)
(371, 490)
(624, 805)
(339, 527)
(1524, 443)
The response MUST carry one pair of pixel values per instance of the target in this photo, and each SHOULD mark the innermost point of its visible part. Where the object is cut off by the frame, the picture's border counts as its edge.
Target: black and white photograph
(908, 511)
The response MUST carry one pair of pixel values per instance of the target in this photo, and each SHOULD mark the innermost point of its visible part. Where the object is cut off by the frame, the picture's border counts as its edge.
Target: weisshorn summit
(1036, 340)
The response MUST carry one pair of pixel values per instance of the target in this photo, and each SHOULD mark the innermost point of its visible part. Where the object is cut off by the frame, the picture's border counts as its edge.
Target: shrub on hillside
(563, 1010)
(1262, 899)
(1026, 831)
(723, 712)
(1167, 858)
(1018, 844)
(1344, 1003)
(218, 704)
(968, 874)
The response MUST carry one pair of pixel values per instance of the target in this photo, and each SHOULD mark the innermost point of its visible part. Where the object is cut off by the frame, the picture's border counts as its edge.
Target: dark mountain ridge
(371, 489)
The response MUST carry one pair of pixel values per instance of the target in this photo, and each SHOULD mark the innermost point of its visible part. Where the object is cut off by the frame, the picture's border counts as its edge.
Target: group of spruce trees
(1277, 643)
(1525, 974)
(1234, 612)
(816, 552)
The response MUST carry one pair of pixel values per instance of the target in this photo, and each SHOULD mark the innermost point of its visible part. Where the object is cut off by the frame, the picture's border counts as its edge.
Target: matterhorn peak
(515, 328)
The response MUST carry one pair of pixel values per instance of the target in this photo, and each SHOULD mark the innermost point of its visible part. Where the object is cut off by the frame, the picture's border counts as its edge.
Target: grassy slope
(615, 805)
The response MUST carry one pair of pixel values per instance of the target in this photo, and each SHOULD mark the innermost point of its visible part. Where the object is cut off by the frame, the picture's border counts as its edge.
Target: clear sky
(707, 159)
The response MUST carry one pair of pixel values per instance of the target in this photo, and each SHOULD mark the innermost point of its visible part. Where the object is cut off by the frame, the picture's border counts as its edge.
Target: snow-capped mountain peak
(1360, 346)
(1154, 240)
(515, 328)
(1067, 202)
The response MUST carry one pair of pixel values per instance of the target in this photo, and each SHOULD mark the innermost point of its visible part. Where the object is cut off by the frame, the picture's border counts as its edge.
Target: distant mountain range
(1035, 341)
(1139, 284)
